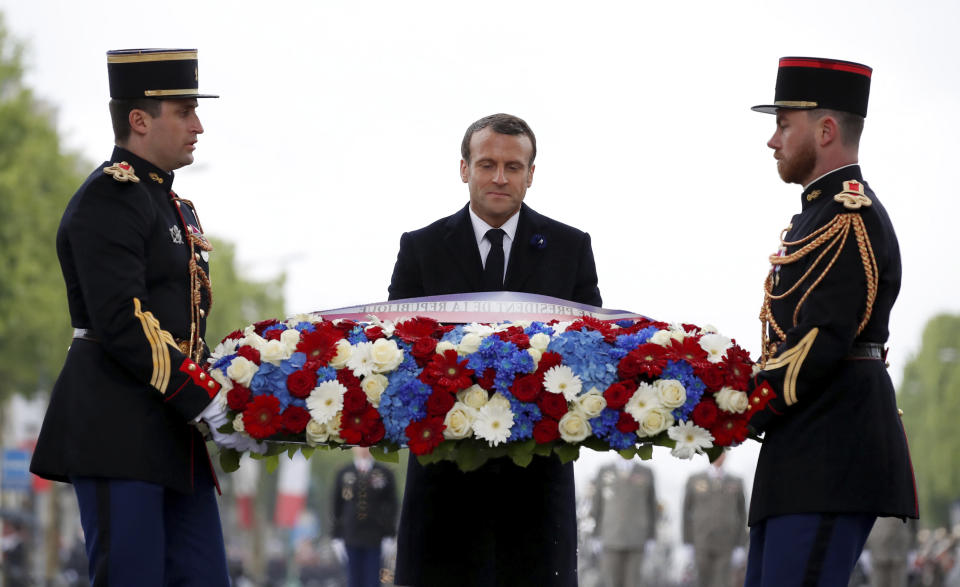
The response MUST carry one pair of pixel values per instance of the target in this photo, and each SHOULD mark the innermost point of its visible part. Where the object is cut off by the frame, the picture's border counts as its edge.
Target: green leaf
(714, 453)
(229, 460)
(645, 451)
(272, 462)
(307, 451)
(567, 452)
(292, 449)
(543, 450)
(628, 453)
(470, 456)
(522, 452)
(386, 454)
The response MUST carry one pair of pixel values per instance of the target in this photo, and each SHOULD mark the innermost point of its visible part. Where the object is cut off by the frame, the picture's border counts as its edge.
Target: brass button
(203, 376)
(899, 411)
(756, 400)
(211, 384)
(202, 313)
(192, 367)
(763, 391)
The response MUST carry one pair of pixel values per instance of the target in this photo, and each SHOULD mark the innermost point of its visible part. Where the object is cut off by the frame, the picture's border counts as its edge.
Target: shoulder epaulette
(122, 171)
(853, 197)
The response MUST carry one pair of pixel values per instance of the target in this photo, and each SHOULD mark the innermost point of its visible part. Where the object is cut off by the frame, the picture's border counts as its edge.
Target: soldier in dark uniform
(364, 514)
(834, 453)
(121, 421)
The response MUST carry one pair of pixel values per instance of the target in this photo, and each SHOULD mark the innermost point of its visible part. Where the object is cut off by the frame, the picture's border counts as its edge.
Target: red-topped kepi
(805, 83)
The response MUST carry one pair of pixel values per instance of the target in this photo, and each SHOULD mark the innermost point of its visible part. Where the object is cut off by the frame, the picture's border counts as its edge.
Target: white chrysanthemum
(444, 346)
(643, 399)
(344, 351)
(731, 400)
(540, 341)
(499, 400)
(275, 352)
(574, 426)
(671, 393)
(386, 355)
(481, 330)
(536, 356)
(316, 432)
(654, 421)
(661, 337)
(334, 427)
(459, 421)
(469, 343)
(493, 423)
(709, 329)
(690, 438)
(242, 370)
(361, 359)
(716, 346)
(226, 384)
(297, 319)
(562, 379)
(591, 403)
(474, 396)
(290, 338)
(226, 347)
(326, 400)
(373, 386)
(252, 339)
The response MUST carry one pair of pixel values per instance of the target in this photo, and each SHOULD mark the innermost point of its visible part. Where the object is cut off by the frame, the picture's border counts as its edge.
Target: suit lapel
(462, 247)
(525, 255)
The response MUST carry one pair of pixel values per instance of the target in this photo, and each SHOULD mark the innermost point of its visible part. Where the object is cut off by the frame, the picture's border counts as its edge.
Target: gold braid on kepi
(829, 239)
(199, 283)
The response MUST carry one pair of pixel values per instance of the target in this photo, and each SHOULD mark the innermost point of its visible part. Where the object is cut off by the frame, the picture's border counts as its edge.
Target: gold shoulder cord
(199, 283)
(832, 235)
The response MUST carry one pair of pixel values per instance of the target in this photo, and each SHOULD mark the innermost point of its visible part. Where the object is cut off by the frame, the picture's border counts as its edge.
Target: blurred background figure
(887, 551)
(715, 524)
(364, 517)
(625, 514)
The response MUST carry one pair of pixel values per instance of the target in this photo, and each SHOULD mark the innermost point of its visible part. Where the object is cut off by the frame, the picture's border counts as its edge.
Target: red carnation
(295, 419)
(552, 404)
(262, 325)
(425, 435)
(261, 418)
(526, 388)
(705, 413)
(321, 344)
(647, 359)
(591, 323)
(619, 393)
(548, 361)
(423, 349)
(354, 400)
(546, 430)
(349, 380)
(238, 397)
(688, 350)
(374, 332)
(300, 383)
(249, 353)
(440, 402)
(739, 368)
(419, 327)
(627, 424)
(487, 379)
(235, 335)
(447, 373)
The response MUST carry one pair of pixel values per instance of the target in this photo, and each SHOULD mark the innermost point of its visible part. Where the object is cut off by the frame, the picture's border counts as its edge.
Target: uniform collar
(143, 169)
(824, 187)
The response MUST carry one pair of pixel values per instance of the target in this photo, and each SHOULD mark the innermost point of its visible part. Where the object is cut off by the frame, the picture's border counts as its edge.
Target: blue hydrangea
(403, 401)
(357, 335)
(272, 380)
(326, 374)
(604, 427)
(504, 357)
(683, 372)
(281, 327)
(589, 356)
(538, 327)
(455, 335)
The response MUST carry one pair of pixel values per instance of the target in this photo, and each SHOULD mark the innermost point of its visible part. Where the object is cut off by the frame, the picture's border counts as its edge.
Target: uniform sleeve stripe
(793, 359)
(158, 347)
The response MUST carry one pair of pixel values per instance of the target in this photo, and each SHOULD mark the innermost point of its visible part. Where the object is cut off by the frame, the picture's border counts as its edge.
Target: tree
(37, 178)
(930, 399)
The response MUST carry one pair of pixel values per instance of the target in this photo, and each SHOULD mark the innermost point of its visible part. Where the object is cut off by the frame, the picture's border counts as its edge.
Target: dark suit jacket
(501, 524)
(123, 404)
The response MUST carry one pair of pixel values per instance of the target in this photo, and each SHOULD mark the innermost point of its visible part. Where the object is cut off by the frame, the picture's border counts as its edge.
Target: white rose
(655, 421)
(252, 339)
(458, 421)
(474, 396)
(274, 352)
(469, 343)
(499, 401)
(661, 337)
(334, 427)
(316, 432)
(540, 341)
(238, 423)
(297, 319)
(671, 393)
(731, 400)
(574, 427)
(290, 339)
(374, 386)
(386, 355)
(591, 403)
(536, 356)
(444, 346)
(242, 370)
(344, 350)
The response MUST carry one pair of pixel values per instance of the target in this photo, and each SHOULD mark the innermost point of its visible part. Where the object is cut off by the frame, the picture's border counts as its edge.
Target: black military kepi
(154, 73)
(805, 83)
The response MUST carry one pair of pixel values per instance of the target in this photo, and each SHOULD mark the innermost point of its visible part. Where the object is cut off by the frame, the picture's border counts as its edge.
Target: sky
(339, 125)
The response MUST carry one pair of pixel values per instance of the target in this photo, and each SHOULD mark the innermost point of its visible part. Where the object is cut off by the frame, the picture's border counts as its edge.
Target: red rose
(619, 393)
(249, 353)
(259, 327)
(425, 435)
(548, 361)
(238, 397)
(526, 388)
(487, 379)
(376, 432)
(552, 404)
(705, 413)
(440, 402)
(349, 380)
(515, 335)
(374, 332)
(301, 383)
(295, 419)
(273, 334)
(261, 418)
(354, 400)
(712, 375)
(546, 430)
(423, 349)
(627, 424)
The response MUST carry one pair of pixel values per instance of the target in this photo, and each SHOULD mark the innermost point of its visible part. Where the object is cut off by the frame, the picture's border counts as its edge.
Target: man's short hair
(851, 125)
(120, 114)
(505, 124)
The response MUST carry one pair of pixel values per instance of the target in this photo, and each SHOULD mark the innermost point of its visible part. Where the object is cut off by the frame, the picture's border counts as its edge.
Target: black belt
(85, 334)
(867, 351)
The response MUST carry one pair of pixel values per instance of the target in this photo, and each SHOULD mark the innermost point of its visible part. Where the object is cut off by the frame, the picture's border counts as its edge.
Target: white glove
(388, 548)
(739, 557)
(339, 549)
(215, 416)
(687, 552)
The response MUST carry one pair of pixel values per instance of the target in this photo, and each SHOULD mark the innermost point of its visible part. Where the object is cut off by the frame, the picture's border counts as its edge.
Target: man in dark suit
(834, 453)
(501, 524)
(120, 424)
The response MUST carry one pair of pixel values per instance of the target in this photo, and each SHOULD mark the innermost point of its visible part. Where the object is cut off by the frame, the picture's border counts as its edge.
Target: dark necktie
(493, 270)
